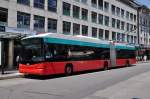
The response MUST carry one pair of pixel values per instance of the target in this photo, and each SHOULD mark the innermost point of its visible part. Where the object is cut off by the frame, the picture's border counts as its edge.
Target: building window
(76, 29)
(114, 36)
(77, 0)
(128, 38)
(122, 25)
(84, 1)
(127, 15)
(94, 32)
(100, 4)
(118, 11)
(3, 17)
(84, 30)
(106, 35)
(113, 22)
(135, 29)
(131, 16)
(84, 14)
(106, 21)
(123, 37)
(100, 34)
(113, 9)
(135, 40)
(135, 19)
(76, 12)
(23, 20)
(132, 39)
(66, 27)
(52, 5)
(94, 3)
(39, 23)
(106, 6)
(131, 28)
(100, 19)
(119, 37)
(52, 25)
(118, 24)
(122, 13)
(66, 8)
(94, 17)
(127, 26)
(39, 4)
(24, 2)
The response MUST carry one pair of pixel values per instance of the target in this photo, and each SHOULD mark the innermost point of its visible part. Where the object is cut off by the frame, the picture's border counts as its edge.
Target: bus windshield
(32, 50)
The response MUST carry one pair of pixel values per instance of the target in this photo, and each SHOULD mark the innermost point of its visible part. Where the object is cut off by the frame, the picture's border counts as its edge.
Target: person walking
(17, 61)
(145, 58)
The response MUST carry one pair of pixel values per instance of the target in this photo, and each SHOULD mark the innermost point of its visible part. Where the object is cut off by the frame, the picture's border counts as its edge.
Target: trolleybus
(53, 53)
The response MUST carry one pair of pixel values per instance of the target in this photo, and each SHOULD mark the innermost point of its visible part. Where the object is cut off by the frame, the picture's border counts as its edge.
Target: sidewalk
(10, 74)
(138, 62)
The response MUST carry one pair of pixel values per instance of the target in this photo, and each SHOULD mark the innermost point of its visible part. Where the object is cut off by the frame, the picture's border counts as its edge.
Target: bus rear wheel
(127, 63)
(68, 70)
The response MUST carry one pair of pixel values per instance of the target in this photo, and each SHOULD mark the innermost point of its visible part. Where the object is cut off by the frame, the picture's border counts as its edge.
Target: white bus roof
(70, 38)
(79, 40)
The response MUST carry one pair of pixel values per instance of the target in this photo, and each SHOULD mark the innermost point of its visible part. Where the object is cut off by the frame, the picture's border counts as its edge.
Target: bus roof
(73, 40)
(124, 46)
(79, 40)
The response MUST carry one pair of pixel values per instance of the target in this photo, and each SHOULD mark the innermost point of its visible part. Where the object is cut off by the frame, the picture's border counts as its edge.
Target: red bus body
(122, 62)
(49, 68)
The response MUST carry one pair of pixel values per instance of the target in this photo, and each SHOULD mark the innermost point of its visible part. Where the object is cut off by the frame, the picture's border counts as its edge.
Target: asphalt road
(72, 87)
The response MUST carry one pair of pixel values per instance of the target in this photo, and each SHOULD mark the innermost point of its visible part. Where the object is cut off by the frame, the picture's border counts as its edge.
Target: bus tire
(68, 69)
(127, 63)
(105, 65)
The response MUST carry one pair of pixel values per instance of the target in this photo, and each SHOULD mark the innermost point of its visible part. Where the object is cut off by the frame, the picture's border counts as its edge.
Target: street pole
(2, 56)
(2, 69)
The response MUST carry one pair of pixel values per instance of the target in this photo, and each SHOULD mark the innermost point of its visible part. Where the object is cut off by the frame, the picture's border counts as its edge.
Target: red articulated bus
(52, 53)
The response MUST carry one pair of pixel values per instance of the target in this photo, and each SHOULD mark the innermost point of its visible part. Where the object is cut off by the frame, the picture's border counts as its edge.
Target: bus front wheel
(68, 70)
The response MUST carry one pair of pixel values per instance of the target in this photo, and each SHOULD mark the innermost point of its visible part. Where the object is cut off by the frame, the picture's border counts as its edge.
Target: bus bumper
(36, 69)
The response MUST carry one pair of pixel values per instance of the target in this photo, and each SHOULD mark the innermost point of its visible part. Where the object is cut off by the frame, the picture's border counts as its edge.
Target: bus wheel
(105, 65)
(68, 70)
(127, 63)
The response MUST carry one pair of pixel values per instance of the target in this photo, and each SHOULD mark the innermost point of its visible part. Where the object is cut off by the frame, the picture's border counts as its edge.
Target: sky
(145, 2)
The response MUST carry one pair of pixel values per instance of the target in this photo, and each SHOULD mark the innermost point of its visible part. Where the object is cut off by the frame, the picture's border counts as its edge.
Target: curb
(143, 62)
(17, 75)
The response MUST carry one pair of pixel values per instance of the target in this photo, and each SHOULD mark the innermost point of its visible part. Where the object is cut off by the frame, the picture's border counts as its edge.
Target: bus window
(49, 52)
(60, 51)
(125, 54)
(32, 50)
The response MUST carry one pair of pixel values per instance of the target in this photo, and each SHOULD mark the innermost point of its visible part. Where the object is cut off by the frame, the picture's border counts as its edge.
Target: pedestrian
(17, 61)
(145, 58)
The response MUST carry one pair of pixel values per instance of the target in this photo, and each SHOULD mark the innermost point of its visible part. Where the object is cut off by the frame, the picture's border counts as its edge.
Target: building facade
(144, 30)
(105, 19)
